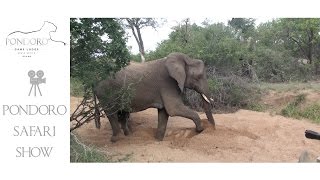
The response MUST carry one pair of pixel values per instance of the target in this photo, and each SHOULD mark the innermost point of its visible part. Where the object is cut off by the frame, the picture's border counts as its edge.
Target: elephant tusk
(211, 99)
(205, 98)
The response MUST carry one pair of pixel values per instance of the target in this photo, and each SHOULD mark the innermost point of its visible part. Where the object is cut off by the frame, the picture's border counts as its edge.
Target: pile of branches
(86, 111)
(89, 109)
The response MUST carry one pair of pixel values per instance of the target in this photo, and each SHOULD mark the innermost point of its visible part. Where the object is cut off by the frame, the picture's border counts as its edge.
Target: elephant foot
(126, 132)
(213, 124)
(199, 129)
(159, 136)
(115, 139)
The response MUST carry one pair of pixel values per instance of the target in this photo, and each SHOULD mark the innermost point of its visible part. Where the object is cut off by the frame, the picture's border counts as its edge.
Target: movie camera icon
(35, 81)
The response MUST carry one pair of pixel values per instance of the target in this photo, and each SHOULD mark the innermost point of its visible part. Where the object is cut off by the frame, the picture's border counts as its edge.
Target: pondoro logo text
(27, 43)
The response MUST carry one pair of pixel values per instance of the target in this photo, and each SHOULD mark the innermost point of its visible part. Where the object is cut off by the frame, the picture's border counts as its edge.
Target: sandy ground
(243, 136)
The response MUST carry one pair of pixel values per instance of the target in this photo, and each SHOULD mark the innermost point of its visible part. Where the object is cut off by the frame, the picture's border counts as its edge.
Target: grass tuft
(312, 112)
(256, 107)
(294, 109)
(80, 152)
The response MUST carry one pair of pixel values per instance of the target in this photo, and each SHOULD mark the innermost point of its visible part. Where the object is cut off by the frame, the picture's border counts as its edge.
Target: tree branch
(141, 46)
(300, 47)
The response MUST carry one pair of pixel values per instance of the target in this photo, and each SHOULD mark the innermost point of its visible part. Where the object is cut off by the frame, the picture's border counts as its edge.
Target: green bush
(135, 57)
(312, 112)
(233, 91)
(214, 44)
(214, 84)
(229, 93)
(92, 58)
(291, 111)
(294, 109)
(265, 53)
(279, 66)
(76, 87)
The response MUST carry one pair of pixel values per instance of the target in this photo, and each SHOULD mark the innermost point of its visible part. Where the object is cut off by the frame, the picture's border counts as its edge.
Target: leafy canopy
(98, 48)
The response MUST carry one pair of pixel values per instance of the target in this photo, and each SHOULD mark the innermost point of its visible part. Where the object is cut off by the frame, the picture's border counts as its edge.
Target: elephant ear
(176, 69)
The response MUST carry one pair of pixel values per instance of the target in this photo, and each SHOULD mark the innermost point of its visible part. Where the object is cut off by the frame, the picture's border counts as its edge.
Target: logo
(28, 43)
(36, 81)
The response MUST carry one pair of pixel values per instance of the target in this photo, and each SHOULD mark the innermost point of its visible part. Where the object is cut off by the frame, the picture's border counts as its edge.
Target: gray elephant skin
(157, 84)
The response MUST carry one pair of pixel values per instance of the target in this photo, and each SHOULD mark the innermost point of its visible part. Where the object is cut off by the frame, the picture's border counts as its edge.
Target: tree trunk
(140, 43)
(317, 68)
(137, 35)
(310, 46)
(143, 59)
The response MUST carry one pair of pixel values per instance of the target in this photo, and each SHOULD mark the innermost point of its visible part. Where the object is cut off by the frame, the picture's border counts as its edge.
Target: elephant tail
(96, 111)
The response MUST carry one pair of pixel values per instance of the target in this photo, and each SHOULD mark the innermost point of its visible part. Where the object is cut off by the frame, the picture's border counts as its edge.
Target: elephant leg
(186, 112)
(123, 118)
(113, 119)
(174, 106)
(162, 124)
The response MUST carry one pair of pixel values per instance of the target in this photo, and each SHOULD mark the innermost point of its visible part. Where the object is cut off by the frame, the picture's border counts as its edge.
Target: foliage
(302, 35)
(215, 44)
(296, 110)
(76, 87)
(135, 25)
(274, 66)
(270, 35)
(271, 52)
(97, 49)
(244, 27)
(242, 52)
(135, 57)
(312, 112)
(235, 92)
(298, 37)
(80, 152)
(229, 93)
(115, 99)
(292, 109)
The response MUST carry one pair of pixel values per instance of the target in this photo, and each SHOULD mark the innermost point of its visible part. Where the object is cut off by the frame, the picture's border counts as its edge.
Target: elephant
(156, 84)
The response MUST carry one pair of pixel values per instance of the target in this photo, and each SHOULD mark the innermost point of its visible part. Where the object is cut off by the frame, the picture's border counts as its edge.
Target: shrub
(76, 87)
(294, 109)
(135, 57)
(291, 111)
(312, 112)
(279, 66)
(229, 93)
(233, 91)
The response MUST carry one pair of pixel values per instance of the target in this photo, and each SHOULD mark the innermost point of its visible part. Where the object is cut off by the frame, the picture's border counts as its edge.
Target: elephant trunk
(207, 103)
